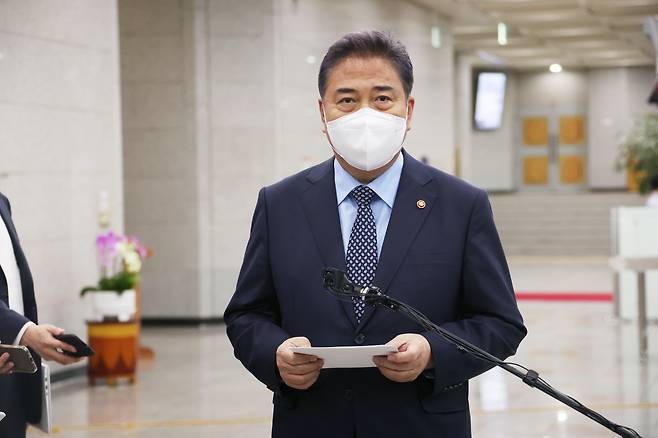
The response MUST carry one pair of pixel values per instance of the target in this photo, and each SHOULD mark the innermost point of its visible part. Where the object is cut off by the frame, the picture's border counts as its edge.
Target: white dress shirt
(13, 276)
(386, 188)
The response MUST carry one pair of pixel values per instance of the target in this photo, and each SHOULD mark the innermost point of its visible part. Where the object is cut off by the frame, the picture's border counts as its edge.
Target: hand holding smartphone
(21, 358)
(81, 348)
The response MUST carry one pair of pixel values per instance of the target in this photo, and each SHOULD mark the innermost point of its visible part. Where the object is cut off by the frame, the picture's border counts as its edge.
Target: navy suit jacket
(445, 259)
(12, 322)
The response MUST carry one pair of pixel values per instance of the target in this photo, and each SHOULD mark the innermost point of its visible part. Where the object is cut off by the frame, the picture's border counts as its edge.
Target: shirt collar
(385, 185)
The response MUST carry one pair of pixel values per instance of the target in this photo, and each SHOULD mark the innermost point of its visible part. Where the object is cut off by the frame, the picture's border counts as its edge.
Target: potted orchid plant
(113, 298)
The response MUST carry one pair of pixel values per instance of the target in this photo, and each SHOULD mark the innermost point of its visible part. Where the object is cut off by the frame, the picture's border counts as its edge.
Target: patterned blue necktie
(362, 249)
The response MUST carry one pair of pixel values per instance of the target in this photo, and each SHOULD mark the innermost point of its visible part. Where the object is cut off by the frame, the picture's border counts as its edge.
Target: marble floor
(577, 346)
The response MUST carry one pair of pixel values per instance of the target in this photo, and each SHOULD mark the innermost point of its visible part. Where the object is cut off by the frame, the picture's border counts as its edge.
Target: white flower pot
(111, 305)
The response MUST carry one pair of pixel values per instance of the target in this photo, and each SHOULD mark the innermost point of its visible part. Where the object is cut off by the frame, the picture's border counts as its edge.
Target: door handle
(552, 148)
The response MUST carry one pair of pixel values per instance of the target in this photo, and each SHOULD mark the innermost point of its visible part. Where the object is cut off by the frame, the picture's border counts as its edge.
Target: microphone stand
(337, 283)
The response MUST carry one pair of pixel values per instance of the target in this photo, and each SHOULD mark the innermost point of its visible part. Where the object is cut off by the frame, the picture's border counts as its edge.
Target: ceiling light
(310, 59)
(436, 37)
(555, 68)
(502, 34)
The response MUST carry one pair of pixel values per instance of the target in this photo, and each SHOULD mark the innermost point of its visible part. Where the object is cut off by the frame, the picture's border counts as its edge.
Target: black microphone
(339, 285)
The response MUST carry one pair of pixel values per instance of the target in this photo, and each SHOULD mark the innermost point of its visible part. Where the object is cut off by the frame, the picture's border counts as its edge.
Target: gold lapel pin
(421, 204)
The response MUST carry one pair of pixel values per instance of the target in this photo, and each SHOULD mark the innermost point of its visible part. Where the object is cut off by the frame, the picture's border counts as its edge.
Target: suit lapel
(406, 220)
(321, 211)
(21, 261)
(18, 252)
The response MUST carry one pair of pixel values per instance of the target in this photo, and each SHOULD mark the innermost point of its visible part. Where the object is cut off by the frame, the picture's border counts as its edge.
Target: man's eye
(383, 99)
(346, 100)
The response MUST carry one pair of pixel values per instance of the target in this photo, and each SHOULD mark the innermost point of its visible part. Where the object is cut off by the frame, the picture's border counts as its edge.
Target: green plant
(119, 283)
(639, 151)
(121, 261)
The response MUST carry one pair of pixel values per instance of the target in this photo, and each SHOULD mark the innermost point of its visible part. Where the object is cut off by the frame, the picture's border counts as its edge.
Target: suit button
(349, 394)
(360, 339)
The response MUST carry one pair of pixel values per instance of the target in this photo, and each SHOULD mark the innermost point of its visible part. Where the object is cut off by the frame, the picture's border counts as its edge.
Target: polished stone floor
(194, 387)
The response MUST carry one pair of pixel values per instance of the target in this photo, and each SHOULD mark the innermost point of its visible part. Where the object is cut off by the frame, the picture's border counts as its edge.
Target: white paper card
(347, 357)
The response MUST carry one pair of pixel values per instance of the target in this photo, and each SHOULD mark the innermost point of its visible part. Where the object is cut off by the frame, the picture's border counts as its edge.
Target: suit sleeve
(11, 322)
(253, 317)
(490, 317)
(6, 201)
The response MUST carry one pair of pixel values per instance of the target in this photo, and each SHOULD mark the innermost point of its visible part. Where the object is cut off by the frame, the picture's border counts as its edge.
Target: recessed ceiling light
(310, 59)
(555, 68)
(502, 34)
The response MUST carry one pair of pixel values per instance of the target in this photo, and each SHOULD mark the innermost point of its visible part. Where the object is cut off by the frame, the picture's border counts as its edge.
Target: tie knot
(363, 195)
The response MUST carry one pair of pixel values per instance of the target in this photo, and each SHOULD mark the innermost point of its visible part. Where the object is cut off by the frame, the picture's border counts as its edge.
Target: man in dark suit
(20, 394)
(423, 236)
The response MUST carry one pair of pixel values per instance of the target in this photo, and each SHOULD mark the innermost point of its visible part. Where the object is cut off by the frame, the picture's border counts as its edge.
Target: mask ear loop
(406, 120)
(326, 126)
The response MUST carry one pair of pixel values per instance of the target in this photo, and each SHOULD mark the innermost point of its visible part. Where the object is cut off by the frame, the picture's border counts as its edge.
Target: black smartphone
(21, 358)
(82, 349)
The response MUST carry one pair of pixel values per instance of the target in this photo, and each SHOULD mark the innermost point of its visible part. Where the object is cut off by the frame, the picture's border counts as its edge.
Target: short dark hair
(653, 182)
(368, 44)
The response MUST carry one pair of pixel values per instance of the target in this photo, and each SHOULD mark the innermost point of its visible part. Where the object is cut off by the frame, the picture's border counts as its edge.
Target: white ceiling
(574, 33)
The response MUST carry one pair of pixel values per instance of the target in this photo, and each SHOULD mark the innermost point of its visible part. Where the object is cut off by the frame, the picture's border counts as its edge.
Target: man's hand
(5, 365)
(414, 356)
(40, 338)
(298, 371)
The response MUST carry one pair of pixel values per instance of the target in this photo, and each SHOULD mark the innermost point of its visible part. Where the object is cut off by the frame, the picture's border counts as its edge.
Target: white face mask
(367, 139)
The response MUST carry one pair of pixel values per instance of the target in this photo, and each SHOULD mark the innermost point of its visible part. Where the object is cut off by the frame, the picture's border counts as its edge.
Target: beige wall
(220, 99)
(487, 157)
(494, 167)
(545, 90)
(61, 140)
(160, 149)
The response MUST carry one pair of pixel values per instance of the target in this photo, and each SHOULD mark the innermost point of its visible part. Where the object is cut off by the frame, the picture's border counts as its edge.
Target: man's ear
(410, 111)
(323, 116)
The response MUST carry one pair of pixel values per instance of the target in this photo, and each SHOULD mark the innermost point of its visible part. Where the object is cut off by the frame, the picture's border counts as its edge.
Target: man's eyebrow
(346, 90)
(383, 88)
